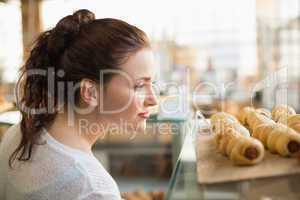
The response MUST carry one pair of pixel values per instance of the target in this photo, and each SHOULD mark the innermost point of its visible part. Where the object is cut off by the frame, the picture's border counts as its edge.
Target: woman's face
(129, 94)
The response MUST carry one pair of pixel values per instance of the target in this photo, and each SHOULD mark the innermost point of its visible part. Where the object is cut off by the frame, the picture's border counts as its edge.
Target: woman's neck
(72, 136)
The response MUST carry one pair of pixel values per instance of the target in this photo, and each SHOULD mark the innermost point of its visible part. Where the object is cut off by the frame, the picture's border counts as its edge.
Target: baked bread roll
(251, 118)
(244, 113)
(221, 120)
(264, 112)
(256, 119)
(233, 140)
(240, 149)
(278, 138)
(293, 121)
(222, 116)
(286, 115)
(282, 111)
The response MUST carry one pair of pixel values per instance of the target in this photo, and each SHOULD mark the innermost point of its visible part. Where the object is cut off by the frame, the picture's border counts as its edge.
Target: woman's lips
(144, 115)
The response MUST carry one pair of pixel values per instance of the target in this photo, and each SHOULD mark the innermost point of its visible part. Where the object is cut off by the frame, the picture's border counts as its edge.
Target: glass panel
(183, 184)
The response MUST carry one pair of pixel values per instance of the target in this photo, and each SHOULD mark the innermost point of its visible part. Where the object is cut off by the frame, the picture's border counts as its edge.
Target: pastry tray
(213, 167)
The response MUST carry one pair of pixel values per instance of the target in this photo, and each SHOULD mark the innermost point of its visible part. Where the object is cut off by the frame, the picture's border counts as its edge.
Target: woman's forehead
(140, 65)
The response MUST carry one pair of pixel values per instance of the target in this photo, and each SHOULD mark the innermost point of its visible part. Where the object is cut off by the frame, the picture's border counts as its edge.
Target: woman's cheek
(138, 102)
(118, 101)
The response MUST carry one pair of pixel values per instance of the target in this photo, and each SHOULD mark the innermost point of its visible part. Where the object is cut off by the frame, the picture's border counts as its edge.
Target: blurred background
(249, 50)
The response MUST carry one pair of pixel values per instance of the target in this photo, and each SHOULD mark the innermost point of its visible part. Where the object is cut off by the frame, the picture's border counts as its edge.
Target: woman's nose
(151, 99)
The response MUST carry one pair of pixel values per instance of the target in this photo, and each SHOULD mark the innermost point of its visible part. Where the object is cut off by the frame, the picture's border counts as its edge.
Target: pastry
(221, 120)
(233, 140)
(244, 113)
(264, 112)
(278, 138)
(282, 110)
(293, 121)
(255, 119)
(240, 149)
(252, 118)
(286, 115)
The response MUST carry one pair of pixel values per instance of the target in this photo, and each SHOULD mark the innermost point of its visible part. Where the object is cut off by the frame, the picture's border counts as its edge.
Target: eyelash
(143, 85)
(139, 86)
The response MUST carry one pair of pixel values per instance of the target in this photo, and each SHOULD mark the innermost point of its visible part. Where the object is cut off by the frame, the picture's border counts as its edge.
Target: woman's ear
(89, 92)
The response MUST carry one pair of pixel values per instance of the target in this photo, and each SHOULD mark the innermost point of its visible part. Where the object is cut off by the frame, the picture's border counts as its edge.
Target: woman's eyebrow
(144, 78)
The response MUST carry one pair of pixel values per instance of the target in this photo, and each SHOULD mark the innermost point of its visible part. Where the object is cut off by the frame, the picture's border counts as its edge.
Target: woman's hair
(78, 47)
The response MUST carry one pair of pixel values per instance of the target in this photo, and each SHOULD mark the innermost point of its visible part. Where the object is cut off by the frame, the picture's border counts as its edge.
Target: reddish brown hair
(80, 45)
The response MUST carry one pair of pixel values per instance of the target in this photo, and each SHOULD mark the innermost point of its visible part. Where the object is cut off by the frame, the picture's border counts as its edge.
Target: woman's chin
(142, 126)
(139, 126)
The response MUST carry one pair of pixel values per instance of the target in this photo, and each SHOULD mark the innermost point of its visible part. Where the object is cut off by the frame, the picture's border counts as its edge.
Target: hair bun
(66, 30)
(83, 16)
(71, 23)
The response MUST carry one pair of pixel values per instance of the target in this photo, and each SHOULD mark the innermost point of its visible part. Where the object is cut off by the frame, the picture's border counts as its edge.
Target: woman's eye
(145, 84)
(139, 86)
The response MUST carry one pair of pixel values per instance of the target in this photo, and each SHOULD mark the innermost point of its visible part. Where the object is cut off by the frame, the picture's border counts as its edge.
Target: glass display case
(184, 186)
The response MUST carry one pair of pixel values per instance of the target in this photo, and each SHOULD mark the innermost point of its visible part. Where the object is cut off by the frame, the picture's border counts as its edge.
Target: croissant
(278, 138)
(281, 111)
(240, 149)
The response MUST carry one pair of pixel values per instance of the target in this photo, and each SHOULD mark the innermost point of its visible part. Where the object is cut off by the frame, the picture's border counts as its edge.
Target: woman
(81, 77)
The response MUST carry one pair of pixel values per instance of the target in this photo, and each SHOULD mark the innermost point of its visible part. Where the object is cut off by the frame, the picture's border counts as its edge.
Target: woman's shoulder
(10, 139)
(98, 179)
